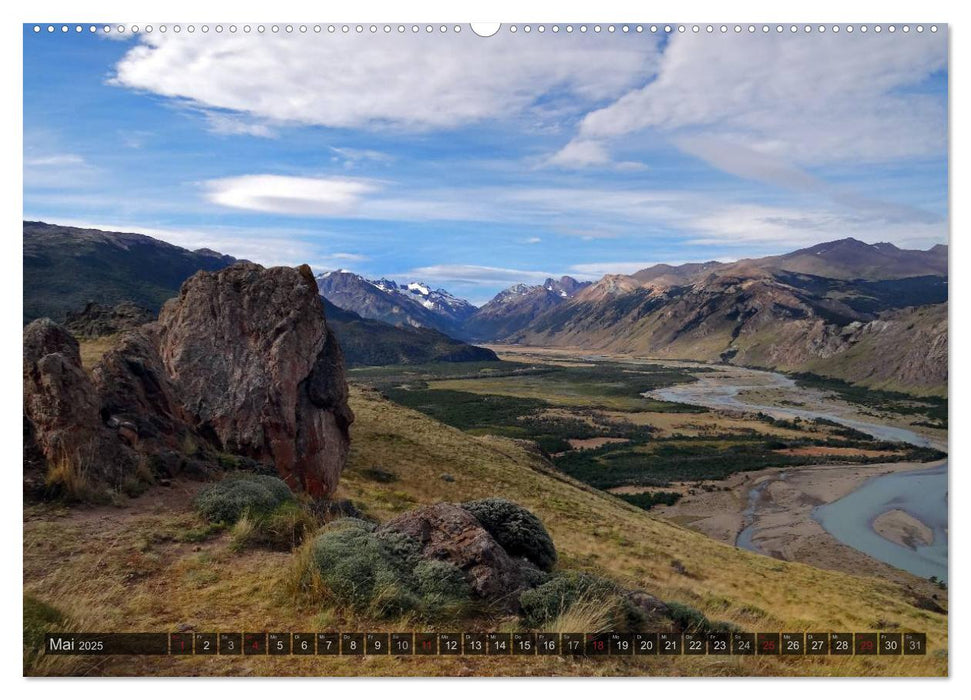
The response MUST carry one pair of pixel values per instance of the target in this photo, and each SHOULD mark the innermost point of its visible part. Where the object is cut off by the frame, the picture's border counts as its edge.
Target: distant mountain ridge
(514, 308)
(408, 305)
(873, 314)
(868, 313)
(67, 267)
(102, 282)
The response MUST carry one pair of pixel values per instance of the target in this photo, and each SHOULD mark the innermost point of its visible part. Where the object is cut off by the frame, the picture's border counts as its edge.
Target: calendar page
(548, 349)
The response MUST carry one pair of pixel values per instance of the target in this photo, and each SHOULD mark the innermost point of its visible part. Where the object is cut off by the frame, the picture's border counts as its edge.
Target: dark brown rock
(258, 371)
(62, 408)
(138, 400)
(653, 610)
(448, 533)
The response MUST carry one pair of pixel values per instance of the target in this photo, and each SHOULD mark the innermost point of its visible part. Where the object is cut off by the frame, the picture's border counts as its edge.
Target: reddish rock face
(241, 362)
(255, 366)
(449, 533)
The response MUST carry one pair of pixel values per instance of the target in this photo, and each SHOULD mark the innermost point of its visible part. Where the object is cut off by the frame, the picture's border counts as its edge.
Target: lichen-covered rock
(62, 408)
(256, 367)
(448, 533)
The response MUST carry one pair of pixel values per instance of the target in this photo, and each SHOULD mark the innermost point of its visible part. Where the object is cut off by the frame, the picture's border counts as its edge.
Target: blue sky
(474, 163)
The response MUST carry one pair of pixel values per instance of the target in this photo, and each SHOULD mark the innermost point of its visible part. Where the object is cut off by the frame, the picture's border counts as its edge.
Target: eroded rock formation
(242, 362)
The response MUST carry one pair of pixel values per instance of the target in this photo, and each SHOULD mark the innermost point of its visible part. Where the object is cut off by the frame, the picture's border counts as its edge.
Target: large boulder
(242, 362)
(61, 412)
(446, 532)
(259, 372)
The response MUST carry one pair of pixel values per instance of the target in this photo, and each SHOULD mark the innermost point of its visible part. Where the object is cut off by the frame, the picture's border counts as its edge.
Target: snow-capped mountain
(412, 304)
(515, 307)
(440, 301)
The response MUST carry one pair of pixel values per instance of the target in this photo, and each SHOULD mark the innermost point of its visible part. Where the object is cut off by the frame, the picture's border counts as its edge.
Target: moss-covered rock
(516, 529)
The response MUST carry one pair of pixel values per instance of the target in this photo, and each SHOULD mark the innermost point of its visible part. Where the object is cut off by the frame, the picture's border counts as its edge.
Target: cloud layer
(402, 81)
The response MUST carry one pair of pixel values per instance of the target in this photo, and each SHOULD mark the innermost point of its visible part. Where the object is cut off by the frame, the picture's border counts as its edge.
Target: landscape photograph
(421, 350)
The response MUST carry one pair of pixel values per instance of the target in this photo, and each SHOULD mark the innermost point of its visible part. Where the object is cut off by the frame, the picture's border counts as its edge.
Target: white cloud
(533, 240)
(807, 99)
(231, 125)
(57, 170)
(599, 269)
(296, 196)
(786, 228)
(404, 81)
(56, 160)
(476, 274)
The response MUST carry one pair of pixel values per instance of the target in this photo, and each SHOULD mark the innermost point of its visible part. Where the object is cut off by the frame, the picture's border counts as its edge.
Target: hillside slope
(592, 531)
(792, 322)
(368, 342)
(66, 267)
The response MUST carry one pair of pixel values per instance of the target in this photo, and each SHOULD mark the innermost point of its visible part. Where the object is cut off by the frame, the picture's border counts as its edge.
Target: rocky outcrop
(140, 402)
(257, 369)
(242, 362)
(448, 533)
(62, 411)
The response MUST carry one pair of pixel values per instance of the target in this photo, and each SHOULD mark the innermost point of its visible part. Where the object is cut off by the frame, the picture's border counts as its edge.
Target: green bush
(516, 529)
(690, 619)
(227, 500)
(543, 604)
(381, 572)
(39, 619)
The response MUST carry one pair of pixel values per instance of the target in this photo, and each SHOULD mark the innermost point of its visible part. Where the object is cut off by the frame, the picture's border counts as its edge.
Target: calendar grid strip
(489, 644)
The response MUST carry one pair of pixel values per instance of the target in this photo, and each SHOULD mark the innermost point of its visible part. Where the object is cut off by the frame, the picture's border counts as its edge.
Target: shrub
(690, 619)
(227, 500)
(567, 601)
(516, 529)
(442, 587)
(547, 602)
(381, 572)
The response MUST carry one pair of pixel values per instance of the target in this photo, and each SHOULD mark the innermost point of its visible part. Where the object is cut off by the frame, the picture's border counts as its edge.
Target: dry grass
(586, 614)
(68, 477)
(132, 569)
(93, 349)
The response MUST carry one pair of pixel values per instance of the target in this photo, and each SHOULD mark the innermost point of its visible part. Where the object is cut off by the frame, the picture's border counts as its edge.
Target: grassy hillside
(66, 267)
(149, 565)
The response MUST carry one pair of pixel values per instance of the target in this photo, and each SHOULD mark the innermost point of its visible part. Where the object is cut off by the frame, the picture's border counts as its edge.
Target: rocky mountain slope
(66, 268)
(242, 363)
(514, 308)
(414, 304)
(864, 322)
(368, 342)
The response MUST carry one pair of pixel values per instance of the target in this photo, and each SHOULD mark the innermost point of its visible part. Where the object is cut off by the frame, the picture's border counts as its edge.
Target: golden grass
(130, 569)
(586, 614)
(93, 349)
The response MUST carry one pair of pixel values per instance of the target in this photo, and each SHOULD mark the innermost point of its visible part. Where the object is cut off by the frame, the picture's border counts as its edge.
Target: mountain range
(100, 282)
(873, 314)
